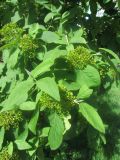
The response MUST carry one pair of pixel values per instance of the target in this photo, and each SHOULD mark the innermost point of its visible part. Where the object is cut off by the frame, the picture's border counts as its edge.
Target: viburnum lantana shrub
(59, 94)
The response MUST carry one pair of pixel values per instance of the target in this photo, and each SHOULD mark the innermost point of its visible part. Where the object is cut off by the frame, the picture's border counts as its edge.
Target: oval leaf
(48, 17)
(92, 116)
(18, 95)
(10, 148)
(77, 37)
(28, 106)
(49, 86)
(84, 92)
(33, 122)
(86, 77)
(56, 131)
(42, 67)
(22, 145)
(50, 37)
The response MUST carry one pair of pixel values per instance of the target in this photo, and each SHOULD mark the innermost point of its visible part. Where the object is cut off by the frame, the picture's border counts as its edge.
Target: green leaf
(5, 55)
(65, 14)
(70, 86)
(35, 29)
(69, 47)
(50, 37)
(33, 122)
(56, 131)
(79, 40)
(111, 99)
(12, 61)
(1, 67)
(86, 77)
(84, 92)
(10, 148)
(18, 95)
(23, 133)
(28, 106)
(92, 116)
(3, 81)
(67, 123)
(111, 62)
(41, 1)
(31, 152)
(35, 141)
(48, 17)
(77, 37)
(12, 1)
(38, 96)
(16, 17)
(113, 54)
(42, 67)
(106, 1)
(49, 86)
(45, 132)
(2, 132)
(54, 53)
(103, 138)
(22, 145)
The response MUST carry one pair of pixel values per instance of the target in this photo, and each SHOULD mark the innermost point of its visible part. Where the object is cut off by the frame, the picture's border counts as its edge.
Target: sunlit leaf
(92, 116)
(18, 95)
(49, 86)
(22, 145)
(56, 131)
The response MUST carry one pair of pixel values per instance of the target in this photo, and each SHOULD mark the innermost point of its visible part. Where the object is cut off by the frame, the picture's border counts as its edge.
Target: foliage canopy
(59, 79)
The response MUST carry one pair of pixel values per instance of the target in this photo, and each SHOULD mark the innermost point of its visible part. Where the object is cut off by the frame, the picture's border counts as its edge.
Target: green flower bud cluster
(103, 71)
(4, 155)
(11, 34)
(10, 119)
(80, 57)
(28, 46)
(62, 107)
(50, 103)
(67, 97)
